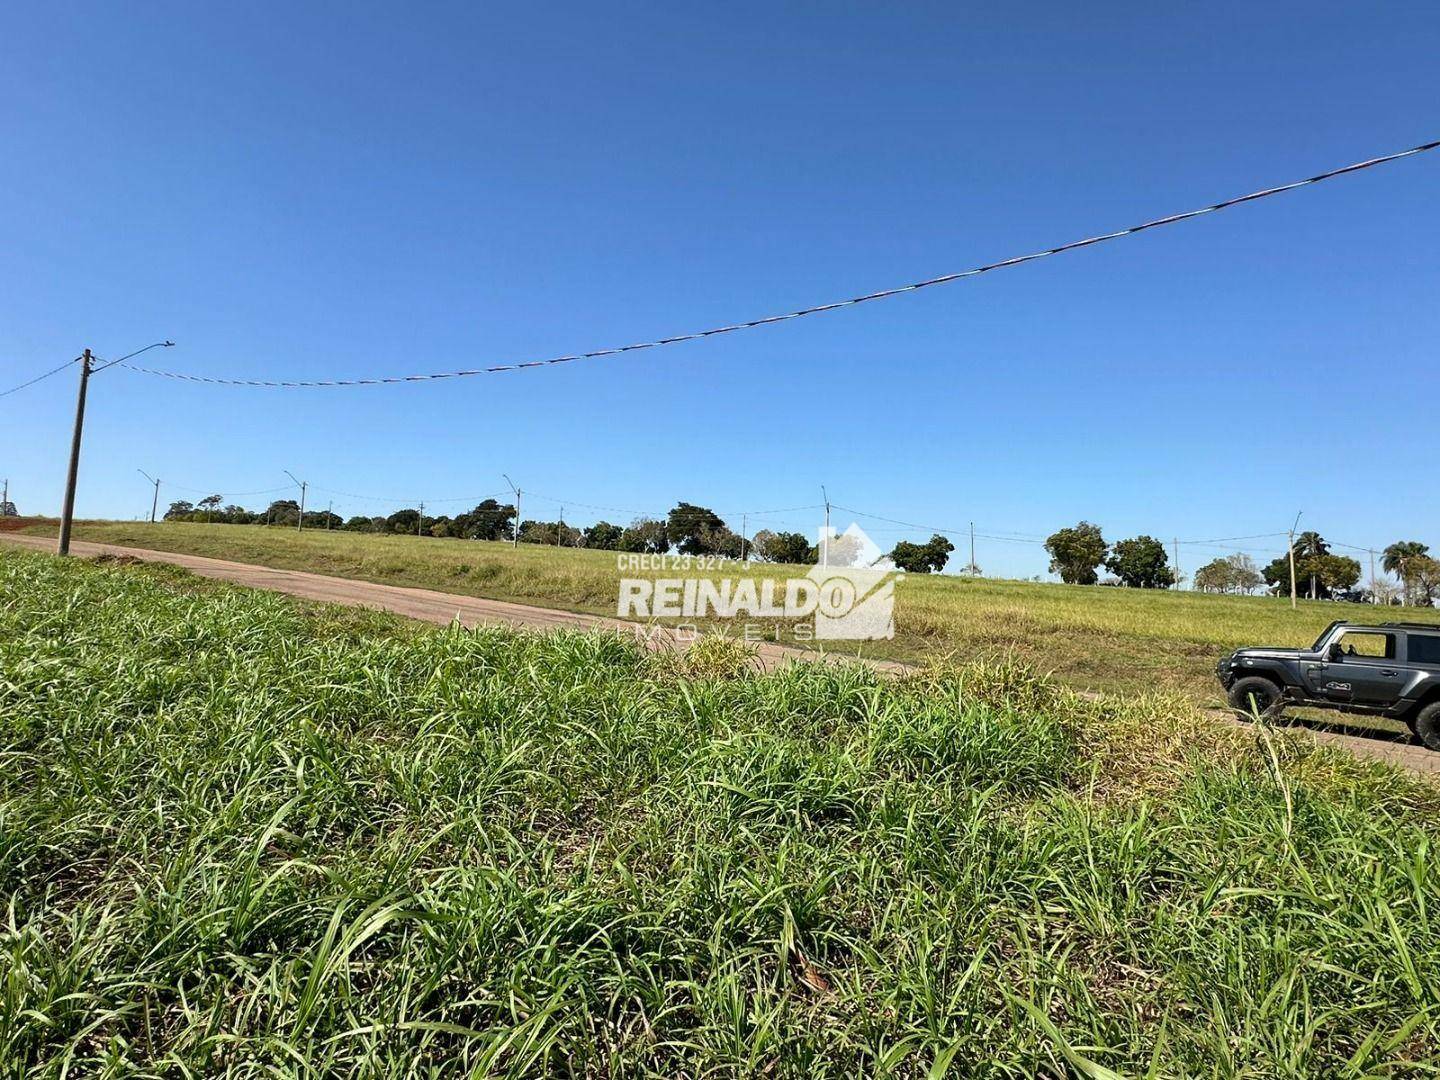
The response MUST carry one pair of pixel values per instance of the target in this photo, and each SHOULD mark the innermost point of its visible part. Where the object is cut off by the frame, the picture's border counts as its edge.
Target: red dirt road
(443, 608)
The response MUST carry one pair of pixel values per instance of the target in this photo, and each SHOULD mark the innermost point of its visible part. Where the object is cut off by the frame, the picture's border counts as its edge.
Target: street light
(67, 513)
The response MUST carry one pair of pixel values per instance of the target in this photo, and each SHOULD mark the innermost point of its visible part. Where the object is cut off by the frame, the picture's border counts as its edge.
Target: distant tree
(323, 519)
(929, 557)
(1076, 552)
(1397, 556)
(1322, 573)
(1214, 576)
(282, 512)
(646, 536)
(235, 514)
(1424, 579)
(490, 520)
(1235, 573)
(179, 510)
(694, 529)
(441, 527)
(784, 547)
(1244, 577)
(359, 523)
(209, 505)
(1141, 563)
(842, 550)
(604, 536)
(537, 532)
(405, 522)
(7, 509)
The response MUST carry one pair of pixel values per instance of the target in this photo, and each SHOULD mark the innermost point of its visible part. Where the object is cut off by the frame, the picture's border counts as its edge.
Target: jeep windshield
(1320, 641)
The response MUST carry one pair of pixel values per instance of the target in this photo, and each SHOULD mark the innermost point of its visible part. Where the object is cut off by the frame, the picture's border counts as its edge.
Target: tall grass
(242, 836)
(1092, 638)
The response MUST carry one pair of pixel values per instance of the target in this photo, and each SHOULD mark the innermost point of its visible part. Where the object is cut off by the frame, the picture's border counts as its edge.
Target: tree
(785, 547)
(359, 524)
(1396, 557)
(283, 512)
(695, 529)
(489, 520)
(179, 510)
(1310, 545)
(922, 558)
(209, 503)
(7, 509)
(1423, 579)
(406, 522)
(1141, 563)
(1235, 573)
(1325, 572)
(537, 532)
(1076, 552)
(646, 536)
(604, 536)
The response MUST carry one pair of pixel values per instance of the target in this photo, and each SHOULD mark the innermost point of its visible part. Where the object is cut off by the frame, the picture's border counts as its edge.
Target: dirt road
(439, 607)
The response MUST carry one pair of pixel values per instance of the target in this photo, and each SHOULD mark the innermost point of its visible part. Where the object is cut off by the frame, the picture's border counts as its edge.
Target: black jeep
(1390, 670)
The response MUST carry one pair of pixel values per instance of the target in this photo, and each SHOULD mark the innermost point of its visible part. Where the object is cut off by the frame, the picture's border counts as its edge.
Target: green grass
(244, 836)
(1089, 638)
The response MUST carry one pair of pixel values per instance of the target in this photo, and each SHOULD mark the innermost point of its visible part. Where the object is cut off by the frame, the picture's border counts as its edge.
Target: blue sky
(317, 191)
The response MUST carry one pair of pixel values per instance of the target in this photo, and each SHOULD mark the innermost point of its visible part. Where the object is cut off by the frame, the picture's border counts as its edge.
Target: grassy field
(1091, 638)
(247, 836)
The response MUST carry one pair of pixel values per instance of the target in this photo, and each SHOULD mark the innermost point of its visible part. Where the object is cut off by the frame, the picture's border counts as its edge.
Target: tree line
(1077, 554)
(688, 528)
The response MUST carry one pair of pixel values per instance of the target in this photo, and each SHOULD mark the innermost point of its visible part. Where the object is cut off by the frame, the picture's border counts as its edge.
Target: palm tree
(1397, 555)
(1311, 545)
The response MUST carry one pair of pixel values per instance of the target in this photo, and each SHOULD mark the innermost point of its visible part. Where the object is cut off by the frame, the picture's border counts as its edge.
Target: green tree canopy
(1076, 552)
(1141, 563)
(929, 557)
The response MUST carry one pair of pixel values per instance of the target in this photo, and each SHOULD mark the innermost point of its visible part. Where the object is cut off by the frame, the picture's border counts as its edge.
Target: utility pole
(972, 549)
(5, 499)
(154, 502)
(516, 490)
(67, 514)
(744, 523)
(1176, 541)
(560, 529)
(1293, 527)
(329, 514)
(300, 521)
(1373, 598)
(825, 539)
(420, 525)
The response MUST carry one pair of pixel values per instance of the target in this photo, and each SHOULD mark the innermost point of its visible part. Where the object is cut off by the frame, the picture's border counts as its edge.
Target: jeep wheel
(1258, 696)
(1426, 725)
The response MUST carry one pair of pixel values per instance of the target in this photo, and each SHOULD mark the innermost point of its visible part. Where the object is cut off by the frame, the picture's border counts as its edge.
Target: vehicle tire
(1268, 700)
(1426, 725)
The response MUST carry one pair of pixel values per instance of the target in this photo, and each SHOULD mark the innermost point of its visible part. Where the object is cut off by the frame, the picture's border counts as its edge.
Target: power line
(38, 378)
(944, 279)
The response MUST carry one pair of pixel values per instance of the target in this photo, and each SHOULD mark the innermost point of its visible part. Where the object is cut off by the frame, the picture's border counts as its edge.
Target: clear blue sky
(313, 191)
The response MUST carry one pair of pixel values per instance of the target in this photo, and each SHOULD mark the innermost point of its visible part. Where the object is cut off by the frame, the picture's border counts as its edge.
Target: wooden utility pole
(744, 523)
(1175, 540)
(67, 513)
(420, 525)
(973, 567)
(1374, 599)
(1293, 604)
(300, 521)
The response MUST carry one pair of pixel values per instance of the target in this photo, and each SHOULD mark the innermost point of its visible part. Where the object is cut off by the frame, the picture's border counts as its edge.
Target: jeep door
(1365, 671)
